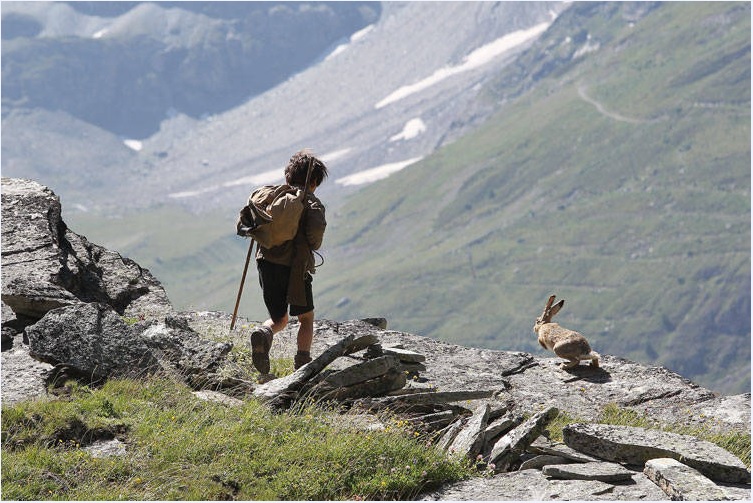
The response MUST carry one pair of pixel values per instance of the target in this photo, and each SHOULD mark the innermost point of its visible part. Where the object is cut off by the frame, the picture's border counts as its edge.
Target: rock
(508, 449)
(681, 482)
(412, 368)
(405, 355)
(360, 372)
(449, 434)
(182, 350)
(598, 470)
(435, 421)
(542, 460)
(93, 341)
(280, 393)
(359, 343)
(46, 265)
(431, 397)
(533, 485)
(502, 426)
(632, 445)
(391, 380)
(106, 448)
(377, 322)
(374, 351)
(23, 377)
(215, 396)
(543, 445)
(470, 440)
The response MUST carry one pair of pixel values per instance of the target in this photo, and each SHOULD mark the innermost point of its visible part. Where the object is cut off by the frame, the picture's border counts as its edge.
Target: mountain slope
(337, 106)
(126, 67)
(620, 182)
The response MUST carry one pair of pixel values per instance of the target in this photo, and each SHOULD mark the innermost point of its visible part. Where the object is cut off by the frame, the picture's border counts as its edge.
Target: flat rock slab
(532, 485)
(542, 445)
(542, 460)
(681, 482)
(24, 377)
(635, 446)
(404, 355)
(216, 396)
(361, 372)
(508, 449)
(470, 439)
(604, 472)
(502, 425)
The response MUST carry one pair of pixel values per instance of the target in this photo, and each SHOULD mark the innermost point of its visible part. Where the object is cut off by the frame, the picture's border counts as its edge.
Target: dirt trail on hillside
(606, 113)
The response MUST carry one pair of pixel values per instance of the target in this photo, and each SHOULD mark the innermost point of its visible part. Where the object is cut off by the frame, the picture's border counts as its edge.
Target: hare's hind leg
(594, 360)
(564, 350)
(573, 362)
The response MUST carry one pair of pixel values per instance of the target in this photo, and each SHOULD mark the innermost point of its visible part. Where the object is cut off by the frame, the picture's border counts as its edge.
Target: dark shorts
(273, 279)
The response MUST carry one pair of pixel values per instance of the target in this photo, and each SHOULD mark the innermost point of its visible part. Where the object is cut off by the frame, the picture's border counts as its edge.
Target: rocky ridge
(81, 310)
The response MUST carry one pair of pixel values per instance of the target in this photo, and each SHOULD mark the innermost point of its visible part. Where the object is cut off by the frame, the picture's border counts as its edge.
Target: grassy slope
(641, 218)
(642, 222)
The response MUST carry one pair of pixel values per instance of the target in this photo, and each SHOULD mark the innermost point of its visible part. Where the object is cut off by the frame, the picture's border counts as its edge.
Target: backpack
(272, 215)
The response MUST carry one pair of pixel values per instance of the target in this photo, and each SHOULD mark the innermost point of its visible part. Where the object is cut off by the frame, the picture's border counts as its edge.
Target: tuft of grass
(182, 448)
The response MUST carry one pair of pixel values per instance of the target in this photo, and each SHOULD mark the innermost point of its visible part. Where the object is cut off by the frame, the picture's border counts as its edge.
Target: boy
(285, 270)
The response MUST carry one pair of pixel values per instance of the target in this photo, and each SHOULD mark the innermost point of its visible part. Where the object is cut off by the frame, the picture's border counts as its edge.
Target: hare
(567, 344)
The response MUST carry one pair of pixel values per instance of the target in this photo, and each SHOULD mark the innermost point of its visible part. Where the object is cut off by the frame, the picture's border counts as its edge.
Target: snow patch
(412, 128)
(475, 59)
(353, 38)
(133, 145)
(374, 174)
(101, 33)
(332, 156)
(589, 46)
(192, 193)
(265, 178)
(339, 49)
(361, 33)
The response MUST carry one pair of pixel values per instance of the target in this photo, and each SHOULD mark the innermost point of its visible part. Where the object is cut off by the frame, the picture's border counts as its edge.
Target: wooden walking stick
(240, 289)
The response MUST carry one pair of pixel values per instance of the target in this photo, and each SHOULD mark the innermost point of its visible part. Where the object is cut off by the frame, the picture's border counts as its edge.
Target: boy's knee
(280, 323)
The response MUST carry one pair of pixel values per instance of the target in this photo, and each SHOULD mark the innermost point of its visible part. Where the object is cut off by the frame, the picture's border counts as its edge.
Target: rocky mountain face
(176, 68)
(475, 400)
(127, 66)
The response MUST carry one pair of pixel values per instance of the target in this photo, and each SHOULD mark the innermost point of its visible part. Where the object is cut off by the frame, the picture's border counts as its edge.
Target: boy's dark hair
(295, 171)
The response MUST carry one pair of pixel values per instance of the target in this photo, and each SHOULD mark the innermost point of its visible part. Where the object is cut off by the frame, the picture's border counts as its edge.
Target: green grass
(179, 447)
(183, 448)
(736, 442)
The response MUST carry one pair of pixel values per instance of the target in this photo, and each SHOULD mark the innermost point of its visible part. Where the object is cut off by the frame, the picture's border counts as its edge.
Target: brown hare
(567, 344)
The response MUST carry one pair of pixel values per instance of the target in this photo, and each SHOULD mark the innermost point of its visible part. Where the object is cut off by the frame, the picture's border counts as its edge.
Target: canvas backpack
(272, 215)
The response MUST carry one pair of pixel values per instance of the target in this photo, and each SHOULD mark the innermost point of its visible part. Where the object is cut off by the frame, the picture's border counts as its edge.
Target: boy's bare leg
(305, 338)
(277, 325)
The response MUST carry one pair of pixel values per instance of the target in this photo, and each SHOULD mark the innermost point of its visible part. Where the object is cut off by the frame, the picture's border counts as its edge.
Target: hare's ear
(556, 308)
(549, 303)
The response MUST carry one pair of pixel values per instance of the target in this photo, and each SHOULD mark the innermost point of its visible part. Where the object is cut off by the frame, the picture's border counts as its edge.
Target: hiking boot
(265, 378)
(261, 342)
(301, 358)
